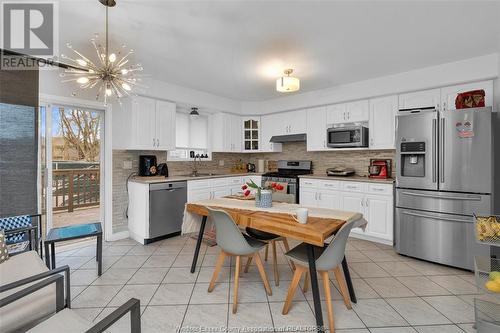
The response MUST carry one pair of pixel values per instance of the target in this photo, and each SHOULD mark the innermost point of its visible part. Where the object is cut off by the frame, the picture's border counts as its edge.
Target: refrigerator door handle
(434, 150)
(447, 197)
(436, 217)
(441, 151)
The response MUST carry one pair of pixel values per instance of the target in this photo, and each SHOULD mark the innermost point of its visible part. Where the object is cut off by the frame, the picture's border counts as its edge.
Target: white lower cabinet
(375, 201)
(206, 189)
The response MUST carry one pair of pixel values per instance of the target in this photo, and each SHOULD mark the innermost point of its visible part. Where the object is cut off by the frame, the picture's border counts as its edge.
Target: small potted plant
(263, 195)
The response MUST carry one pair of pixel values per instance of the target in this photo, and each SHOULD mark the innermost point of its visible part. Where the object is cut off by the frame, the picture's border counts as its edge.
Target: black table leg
(315, 288)
(47, 254)
(99, 255)
(198, 243)
(53, 254)
(348, 280)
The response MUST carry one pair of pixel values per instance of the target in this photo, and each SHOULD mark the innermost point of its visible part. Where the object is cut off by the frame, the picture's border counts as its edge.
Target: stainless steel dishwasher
(166, 208)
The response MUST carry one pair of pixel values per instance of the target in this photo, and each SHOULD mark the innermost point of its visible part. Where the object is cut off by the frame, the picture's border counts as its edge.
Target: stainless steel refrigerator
(444, 175)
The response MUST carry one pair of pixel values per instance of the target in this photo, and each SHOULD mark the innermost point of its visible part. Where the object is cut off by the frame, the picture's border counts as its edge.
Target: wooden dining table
(314, 234)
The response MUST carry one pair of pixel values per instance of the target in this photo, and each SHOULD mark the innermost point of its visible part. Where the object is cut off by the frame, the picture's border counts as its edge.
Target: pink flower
(247, 193)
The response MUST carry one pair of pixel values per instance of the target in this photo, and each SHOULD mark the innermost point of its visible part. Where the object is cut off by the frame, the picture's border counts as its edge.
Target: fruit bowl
(487, 316)
(487, 273)
(488, 230)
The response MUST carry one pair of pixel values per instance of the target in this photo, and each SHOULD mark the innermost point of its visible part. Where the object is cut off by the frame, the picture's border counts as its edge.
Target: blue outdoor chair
(22, 233)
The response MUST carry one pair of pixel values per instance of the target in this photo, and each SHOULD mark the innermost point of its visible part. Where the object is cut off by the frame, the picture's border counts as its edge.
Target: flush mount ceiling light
(287, 83)
(111, 74)
(194, 113)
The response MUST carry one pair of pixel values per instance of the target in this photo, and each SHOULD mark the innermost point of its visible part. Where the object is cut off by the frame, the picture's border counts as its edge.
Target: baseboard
(371, 238)
(118, 235)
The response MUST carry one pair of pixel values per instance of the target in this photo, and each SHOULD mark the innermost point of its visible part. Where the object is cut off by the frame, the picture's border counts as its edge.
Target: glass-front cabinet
(251, 134)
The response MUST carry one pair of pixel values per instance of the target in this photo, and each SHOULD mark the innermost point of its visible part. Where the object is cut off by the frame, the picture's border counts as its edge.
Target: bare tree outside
(80, 131)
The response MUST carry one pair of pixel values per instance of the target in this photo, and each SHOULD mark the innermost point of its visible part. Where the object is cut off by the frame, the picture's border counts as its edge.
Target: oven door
(443, 238)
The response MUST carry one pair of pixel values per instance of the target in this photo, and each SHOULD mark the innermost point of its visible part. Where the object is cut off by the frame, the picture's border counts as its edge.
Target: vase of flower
(263, 194)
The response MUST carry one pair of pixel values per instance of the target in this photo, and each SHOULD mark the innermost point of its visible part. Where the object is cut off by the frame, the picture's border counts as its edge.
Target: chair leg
(218, 266)
(299, 270)
(247, 266)
(328, 295)
(267, 252)
(342, 286)
(306, 283)
(275, 264)
(236, 282)
(287, 248)
(262, 273)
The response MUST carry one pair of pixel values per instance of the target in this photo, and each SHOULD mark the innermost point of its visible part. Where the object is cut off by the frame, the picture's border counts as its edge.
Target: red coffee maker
(380, 169)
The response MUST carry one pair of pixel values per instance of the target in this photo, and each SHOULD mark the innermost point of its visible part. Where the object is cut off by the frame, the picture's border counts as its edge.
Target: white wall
(475, 69)
(51, 83)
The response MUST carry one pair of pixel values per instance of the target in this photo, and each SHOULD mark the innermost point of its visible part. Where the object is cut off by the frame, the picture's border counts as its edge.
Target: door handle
(441, 153)
(447, 197)
(436, 217)
(434, 149)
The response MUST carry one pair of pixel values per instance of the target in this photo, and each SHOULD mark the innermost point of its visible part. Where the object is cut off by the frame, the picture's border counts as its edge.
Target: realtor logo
(30, 28)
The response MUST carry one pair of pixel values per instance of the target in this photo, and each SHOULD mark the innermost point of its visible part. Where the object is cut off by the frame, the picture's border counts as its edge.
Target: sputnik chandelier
(111, 74)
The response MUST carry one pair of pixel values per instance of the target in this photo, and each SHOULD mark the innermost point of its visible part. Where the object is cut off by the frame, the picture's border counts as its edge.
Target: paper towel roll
(261, 166)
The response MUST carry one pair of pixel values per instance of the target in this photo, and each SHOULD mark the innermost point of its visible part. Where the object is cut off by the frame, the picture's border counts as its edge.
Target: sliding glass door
(71, 158)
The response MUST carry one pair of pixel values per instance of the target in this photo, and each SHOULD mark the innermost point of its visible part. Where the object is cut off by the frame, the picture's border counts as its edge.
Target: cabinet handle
(324, 143)
(444, 106)
(157, 142)
(316, 196)
(319, 195)
(362, 202)
(366, 203)
(154, 142)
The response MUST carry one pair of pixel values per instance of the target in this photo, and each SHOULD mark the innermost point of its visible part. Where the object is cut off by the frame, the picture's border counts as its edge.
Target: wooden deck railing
(75, 188)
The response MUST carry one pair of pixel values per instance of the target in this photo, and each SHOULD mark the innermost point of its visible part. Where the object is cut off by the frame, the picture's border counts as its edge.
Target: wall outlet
(221, 163)
(127, 164)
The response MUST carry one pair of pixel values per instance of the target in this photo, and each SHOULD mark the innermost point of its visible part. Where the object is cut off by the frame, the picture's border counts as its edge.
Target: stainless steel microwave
(348, 136)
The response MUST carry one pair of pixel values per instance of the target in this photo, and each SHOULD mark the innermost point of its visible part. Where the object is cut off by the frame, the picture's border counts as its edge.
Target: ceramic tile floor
(395, 294)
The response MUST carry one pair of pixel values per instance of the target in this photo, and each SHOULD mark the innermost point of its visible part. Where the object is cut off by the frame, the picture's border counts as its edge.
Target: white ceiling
(236, 49)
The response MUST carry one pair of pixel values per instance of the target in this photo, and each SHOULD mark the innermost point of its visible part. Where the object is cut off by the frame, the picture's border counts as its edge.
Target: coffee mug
(302, 215)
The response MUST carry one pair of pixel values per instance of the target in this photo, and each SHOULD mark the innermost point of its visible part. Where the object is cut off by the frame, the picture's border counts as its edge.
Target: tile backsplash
(356, 159)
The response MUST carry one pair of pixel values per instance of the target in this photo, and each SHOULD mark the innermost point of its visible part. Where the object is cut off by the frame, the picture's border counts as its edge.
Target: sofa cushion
(29, 310)
(60, 323)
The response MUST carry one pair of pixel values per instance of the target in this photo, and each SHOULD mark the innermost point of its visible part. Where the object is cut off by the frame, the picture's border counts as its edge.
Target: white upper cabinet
(269, 128)
(382, 122)
(357, 111)
(420, 99)
(226, 133)
(335, 114)
(165, 125)
(449, 94)
(348, 112)
(296, 121)
(144, 123)
(316, 129)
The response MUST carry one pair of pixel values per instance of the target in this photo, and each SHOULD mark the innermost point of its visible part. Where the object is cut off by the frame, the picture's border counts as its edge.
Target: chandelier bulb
(112, 57)
(82, 80)
(81, 62)
(109, 92)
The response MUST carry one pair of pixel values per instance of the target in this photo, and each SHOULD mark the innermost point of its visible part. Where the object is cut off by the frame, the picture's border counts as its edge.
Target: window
(191, 134)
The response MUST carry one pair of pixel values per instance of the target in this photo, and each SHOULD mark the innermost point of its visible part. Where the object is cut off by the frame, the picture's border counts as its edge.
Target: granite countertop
(350, 178)
(174, 178)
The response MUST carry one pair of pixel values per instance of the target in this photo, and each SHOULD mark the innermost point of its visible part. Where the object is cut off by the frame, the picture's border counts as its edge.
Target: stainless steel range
(444, 175)
(288, 172)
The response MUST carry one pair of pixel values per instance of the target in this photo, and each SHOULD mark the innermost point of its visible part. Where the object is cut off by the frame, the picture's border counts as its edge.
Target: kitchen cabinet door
(379, 214)
(143, 123)
(353, 202)
(329, 199)
(382, 122)
(316, 129)
(219, 192)
(269, 128)
(308, 198)
(297, 121)
(236, 133)
(336, 114)
(357, 111)
(449, 94)
(198, 195)
(251, 134)
(221, 133)
(420, 99)
(165, 125)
